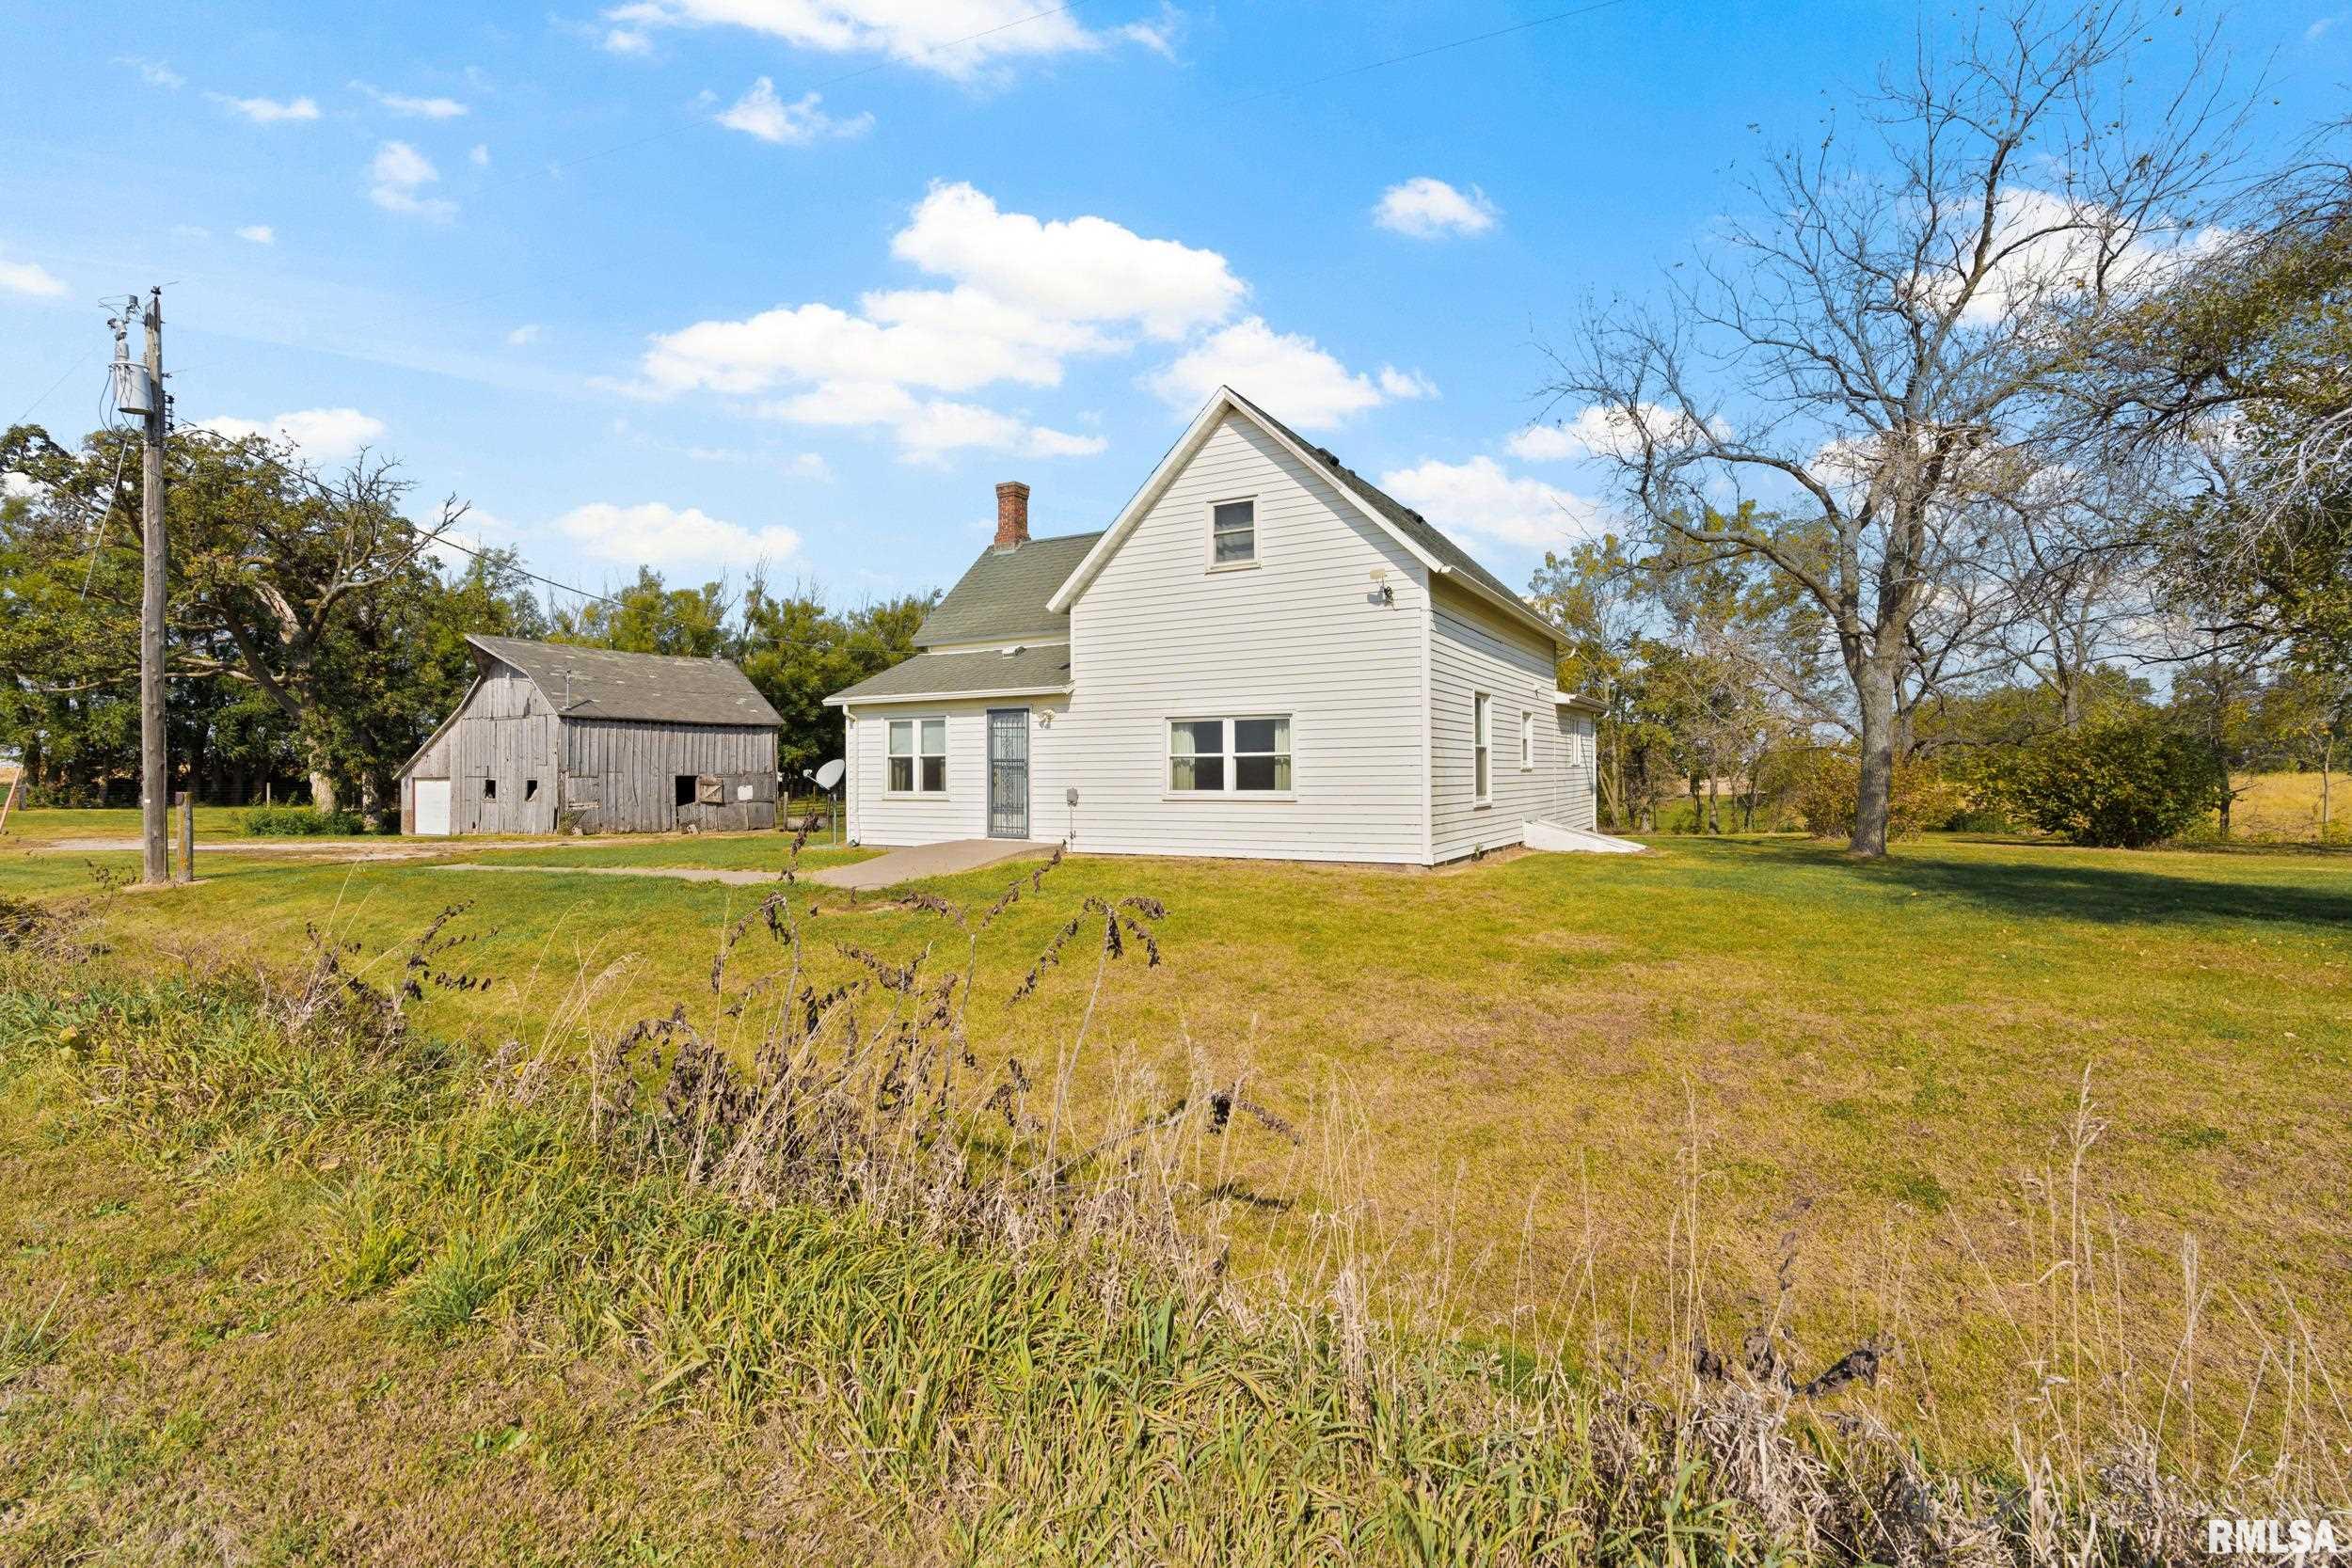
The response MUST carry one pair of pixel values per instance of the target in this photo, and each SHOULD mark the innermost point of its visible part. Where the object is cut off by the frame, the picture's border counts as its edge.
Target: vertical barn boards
(624, 775)
(499, 752)
(551, 736)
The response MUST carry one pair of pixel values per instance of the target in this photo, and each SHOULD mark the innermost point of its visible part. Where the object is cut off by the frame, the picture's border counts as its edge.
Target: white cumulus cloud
(1083, 269)
(1285, 373)
(1482, 496)
(268, 111)
(258, 233)
(666, 538)
(29, 277)
(956, 39)
(321, 434)
(761, 113)
(1427, 208)
(397, 177)
(1022, 297)
(1598, 432)
(480, 156)
(524, 335)
(1405, 386)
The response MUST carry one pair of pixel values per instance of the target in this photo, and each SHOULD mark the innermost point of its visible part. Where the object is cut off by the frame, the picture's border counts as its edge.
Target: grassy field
(1968, 1105)
(2286, 807)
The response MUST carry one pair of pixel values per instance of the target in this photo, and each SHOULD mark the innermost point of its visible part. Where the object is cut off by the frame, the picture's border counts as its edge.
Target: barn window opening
(685, 789)
(490, 789)
(531, 789)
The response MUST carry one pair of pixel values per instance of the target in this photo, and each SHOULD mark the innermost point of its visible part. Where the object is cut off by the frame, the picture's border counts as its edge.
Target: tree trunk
(2327, 769)
(1874, 795)
(321, 790)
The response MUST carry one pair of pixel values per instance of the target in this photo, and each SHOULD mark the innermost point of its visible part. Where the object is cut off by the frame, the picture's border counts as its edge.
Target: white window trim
(1481, 739)
(1257, 535)
(1527, 741)
(1168, 733)
(917, 754)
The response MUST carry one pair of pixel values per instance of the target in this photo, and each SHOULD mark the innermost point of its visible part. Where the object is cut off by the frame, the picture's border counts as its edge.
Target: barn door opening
(1008, 772)
(432, 807)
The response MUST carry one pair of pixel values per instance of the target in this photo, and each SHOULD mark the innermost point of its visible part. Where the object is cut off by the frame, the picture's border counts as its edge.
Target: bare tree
(1852, 377)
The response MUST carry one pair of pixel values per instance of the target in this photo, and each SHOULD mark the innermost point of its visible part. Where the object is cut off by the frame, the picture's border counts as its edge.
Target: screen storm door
(1008, 772)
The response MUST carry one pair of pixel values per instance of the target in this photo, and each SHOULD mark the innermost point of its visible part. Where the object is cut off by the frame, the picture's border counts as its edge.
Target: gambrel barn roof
(598, 683)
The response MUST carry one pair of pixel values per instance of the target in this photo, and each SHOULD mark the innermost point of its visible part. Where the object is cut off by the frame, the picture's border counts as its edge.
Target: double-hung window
(1481, 749)
(1234, 533)
(1527, 742)
(918, 757)
(1230, 755)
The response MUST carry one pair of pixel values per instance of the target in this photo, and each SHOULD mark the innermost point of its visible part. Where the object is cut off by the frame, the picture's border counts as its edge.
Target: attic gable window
(1234, 533)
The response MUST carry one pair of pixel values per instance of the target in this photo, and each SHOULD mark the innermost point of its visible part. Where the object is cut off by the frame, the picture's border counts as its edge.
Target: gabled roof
(598, 683)
(1403, 518)
(1002, 596)
(1419, 536)
(1025, 672)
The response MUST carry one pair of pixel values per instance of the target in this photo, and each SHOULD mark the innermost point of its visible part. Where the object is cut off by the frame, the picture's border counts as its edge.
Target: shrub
(2119, 785)
(1923, 798)
(298, 821)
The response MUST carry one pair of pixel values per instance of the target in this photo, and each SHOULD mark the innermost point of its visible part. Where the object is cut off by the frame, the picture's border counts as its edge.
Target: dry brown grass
(1538, 1095)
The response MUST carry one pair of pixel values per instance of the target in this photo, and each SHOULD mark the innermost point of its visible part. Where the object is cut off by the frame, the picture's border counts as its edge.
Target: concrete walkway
(925, 860)
(887, 870)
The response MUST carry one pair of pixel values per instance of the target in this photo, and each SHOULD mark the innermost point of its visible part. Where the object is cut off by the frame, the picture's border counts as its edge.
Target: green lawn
(1526, 1084)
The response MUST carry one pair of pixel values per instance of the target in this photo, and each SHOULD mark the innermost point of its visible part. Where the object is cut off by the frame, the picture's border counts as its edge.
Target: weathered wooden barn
(551, 737)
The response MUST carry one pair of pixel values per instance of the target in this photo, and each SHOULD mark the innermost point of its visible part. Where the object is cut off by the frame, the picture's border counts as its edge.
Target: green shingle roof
(965, 675)
(1003, 595)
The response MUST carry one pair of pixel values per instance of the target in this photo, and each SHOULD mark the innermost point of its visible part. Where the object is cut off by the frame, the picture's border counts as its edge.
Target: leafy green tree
(274, 571)
(2124, 784)
(798, 653)
(650, 617)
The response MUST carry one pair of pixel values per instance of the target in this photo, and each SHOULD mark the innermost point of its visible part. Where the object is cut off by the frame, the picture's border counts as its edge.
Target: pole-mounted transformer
(132, 389)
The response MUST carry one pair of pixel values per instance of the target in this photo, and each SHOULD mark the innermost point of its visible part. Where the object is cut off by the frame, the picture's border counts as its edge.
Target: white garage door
(432, 807)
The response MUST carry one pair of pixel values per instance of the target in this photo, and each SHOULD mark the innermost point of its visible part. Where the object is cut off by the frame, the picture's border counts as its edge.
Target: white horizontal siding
(1473, 648)
(1157, 635)
(877, 817)
(1577, 763)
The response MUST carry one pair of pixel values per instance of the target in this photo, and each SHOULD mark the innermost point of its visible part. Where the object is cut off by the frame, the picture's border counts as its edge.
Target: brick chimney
(1012, 515)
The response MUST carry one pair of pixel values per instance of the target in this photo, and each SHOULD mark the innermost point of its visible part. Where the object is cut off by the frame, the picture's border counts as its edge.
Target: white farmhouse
(1263, 656)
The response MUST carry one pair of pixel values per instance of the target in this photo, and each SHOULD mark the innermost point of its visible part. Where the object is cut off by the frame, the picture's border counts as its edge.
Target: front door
(1008, 772)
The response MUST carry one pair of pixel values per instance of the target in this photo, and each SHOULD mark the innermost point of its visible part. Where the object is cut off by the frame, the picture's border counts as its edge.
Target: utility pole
(154, 779)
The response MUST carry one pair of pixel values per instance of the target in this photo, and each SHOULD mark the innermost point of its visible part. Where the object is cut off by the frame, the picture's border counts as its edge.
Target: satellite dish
(830, 774)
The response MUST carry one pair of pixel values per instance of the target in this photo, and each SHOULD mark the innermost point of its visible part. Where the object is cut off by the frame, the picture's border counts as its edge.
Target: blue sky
(709, 283)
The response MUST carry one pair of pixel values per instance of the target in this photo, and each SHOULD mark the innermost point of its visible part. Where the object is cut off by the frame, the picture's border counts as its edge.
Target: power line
(70, 373)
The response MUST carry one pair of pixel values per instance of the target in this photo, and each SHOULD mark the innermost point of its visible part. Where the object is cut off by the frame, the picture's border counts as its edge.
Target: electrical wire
(71, 370)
